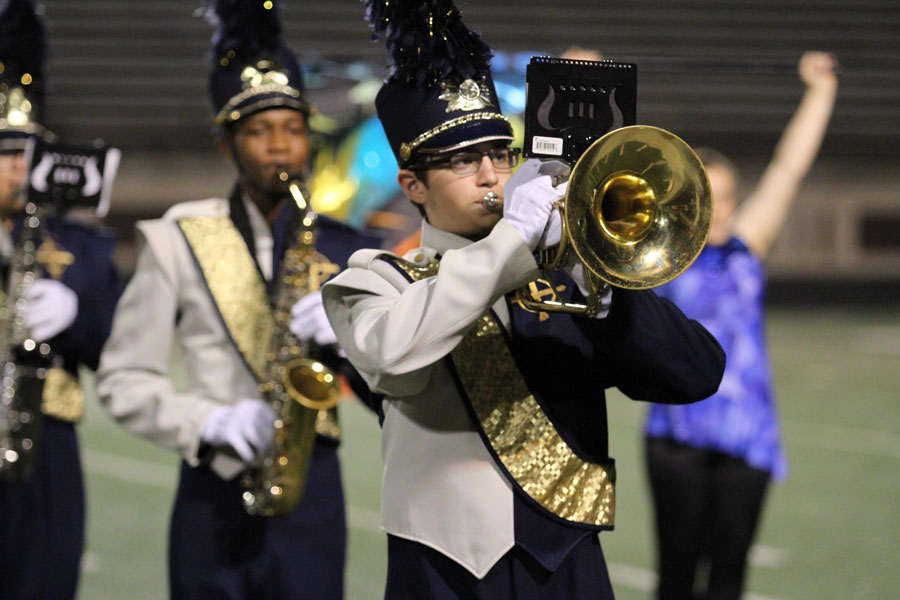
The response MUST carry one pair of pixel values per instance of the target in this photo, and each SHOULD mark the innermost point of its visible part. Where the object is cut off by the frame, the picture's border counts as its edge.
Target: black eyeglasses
(467, 163)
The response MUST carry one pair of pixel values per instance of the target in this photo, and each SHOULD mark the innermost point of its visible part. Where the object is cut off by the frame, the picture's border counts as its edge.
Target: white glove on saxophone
(51, 307)
(309, 322)
(528, 199)
(247, 426)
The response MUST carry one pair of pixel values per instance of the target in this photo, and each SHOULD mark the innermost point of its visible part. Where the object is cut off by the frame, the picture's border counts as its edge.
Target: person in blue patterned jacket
(710, 462)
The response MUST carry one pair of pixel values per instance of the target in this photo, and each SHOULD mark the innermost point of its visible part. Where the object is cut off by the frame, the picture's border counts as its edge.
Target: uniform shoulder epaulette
(210, 207)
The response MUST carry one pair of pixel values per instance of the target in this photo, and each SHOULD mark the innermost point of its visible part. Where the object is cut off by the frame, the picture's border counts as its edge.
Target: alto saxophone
(24, 362)
(297, 386)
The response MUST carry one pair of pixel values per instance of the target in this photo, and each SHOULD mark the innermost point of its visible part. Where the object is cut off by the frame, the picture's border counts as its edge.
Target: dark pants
(417, 572)
(42, 522)
(218, 552)
(707, 508)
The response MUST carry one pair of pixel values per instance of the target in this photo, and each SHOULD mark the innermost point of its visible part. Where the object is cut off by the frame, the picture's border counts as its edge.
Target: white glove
(50, 308)
(575, 268)
(309, 321)
(247, 426)
(529, 196)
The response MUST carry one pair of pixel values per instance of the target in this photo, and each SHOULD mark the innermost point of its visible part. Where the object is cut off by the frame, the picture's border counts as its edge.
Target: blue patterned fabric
(724, 290)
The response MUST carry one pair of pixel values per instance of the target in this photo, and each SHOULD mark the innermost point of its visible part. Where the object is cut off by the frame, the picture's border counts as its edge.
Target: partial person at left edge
(60, 288)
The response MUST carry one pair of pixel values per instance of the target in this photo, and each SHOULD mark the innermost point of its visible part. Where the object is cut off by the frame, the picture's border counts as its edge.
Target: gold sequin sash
(520, 435)
(234, 282)
(239, 293)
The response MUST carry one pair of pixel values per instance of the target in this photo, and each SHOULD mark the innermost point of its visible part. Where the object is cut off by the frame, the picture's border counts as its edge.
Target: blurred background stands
(715, 73)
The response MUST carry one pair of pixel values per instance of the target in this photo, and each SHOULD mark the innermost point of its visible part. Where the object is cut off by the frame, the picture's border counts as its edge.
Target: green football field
(831, 531)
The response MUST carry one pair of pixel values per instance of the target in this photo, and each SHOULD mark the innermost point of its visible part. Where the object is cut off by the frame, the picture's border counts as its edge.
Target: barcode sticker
(547, 145)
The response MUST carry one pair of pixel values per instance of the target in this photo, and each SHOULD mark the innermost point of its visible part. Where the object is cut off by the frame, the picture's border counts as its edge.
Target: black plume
(22, 43)
(244, 28)
(427, 41)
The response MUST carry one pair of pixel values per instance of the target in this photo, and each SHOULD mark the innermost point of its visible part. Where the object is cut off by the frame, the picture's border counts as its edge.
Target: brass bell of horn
(637, 213)
(311, 383)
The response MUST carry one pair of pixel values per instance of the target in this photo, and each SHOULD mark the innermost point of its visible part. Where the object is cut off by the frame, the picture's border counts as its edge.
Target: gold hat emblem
(262, 73)
(468, 95)
(15, 108)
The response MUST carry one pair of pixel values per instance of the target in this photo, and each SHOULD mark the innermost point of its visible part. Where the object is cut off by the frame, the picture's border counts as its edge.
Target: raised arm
(762, 214)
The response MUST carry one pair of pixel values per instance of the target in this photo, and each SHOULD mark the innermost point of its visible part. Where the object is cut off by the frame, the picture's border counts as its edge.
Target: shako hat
(251, 70)
(22, 54)
(439, 95)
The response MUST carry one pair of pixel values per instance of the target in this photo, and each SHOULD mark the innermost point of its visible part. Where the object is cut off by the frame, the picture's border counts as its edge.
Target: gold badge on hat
(264, 72)
(468, 95)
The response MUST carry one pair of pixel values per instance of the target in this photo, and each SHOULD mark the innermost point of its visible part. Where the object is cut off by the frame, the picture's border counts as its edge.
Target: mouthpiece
(491, 202)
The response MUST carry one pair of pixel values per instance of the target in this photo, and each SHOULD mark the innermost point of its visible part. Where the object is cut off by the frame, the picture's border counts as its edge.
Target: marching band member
(70, 308)
(203, 281)
(497, 476)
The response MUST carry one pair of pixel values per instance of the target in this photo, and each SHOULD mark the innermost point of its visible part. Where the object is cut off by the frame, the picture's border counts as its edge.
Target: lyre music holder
(572, 103)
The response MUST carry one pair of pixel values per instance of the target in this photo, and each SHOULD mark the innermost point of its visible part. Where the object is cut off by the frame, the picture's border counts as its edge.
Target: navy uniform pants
(217, 551)
(416, 571)
(42, 521)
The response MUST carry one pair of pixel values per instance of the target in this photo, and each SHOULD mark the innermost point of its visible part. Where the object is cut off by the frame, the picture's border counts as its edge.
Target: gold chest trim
(519, 432)
(62, 396)
(237, 289)
(240, 295)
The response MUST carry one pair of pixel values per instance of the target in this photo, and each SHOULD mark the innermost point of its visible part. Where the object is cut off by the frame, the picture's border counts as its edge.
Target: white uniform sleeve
(133, 381)
(393, 331)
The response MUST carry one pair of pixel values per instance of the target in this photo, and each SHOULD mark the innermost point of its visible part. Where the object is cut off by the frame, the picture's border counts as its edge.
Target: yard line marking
(636, 578)
(644, 580)
(857, 440)
(768, 557)
(132, 470)
(144, 472)
(90, 562)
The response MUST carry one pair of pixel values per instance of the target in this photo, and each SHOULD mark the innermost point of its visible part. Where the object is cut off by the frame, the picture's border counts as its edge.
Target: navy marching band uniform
(497, 475)
(42, 511)
(205, 280)
(42, 525)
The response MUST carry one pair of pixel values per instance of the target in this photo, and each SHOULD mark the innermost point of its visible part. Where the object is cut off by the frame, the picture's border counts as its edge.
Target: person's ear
(412, 186)
(224, 148)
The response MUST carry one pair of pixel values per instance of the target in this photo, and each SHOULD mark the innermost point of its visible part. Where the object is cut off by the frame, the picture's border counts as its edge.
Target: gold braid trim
(291, 98)
(407, 148)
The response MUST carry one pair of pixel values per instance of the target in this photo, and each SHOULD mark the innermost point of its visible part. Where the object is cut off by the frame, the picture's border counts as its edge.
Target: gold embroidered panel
(519, 431)
(523, 437)
(62, 396)
(235, 285)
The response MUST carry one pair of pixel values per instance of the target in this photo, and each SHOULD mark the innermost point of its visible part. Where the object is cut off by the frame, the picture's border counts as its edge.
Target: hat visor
(260, 103)
(466, 135)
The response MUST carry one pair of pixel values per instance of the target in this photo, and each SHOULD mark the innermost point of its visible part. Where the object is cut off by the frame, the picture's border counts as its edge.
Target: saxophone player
(69, 308)
(206, 279)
